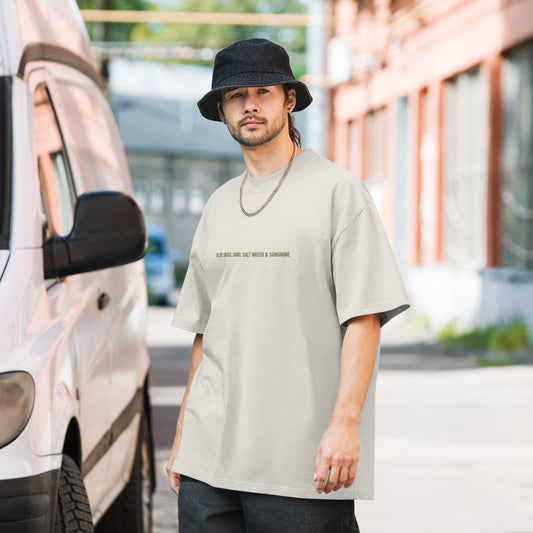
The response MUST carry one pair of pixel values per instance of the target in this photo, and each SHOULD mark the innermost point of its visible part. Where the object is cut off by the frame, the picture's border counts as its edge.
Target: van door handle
(103, 301)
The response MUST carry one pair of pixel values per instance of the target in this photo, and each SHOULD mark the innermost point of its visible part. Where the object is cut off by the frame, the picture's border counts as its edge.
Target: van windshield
(5, 160)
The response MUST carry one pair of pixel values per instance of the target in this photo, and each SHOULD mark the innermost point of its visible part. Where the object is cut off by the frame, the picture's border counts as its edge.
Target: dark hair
(294, 134)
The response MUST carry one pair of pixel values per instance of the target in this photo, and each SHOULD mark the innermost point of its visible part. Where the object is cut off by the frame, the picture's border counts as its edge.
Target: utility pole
(316, 46)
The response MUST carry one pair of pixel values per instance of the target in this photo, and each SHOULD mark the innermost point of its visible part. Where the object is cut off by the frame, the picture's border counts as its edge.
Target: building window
(401, 183)
(517, 161)
(158, 198)
(179, 199)
(427, 153)
(376, 160)
(197, 200)
(465, 170)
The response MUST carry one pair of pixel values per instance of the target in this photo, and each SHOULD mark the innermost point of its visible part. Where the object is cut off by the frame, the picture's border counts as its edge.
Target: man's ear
(291, 99)
(221, 112)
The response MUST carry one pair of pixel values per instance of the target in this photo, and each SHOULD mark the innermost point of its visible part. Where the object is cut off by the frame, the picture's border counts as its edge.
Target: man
(290, 279)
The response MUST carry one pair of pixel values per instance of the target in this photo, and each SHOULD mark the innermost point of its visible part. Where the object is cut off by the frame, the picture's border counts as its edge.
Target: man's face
(256, 115)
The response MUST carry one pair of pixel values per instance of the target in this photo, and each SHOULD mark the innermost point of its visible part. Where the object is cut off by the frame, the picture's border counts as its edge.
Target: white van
(75, 438)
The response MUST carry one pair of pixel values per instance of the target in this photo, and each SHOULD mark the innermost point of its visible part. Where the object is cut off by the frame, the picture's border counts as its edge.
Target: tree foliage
(202, 35)
(218, 36)
(112, 31)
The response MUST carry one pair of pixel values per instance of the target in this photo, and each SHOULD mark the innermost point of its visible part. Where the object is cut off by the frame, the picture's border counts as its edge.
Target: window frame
(509, 204)
(50, 231)
(457, 94)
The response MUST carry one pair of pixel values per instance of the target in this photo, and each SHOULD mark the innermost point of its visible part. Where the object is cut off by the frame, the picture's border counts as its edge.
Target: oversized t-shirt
(271, 295)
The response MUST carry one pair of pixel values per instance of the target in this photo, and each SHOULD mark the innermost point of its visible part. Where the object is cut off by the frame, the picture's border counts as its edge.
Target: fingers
(174, 481)
(322, 465)
(332, 478)
(351, 476)
(328, 474)
(173, 477)
(338, 473)
(321, 478)
(333, 474)
(342, 478)
(336, 459)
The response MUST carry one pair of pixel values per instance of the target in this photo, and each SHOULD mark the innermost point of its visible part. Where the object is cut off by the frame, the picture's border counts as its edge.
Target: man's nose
(250, 104)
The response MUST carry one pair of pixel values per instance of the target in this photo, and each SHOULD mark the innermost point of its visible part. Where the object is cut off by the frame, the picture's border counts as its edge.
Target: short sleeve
(194, 306)
(365, 273)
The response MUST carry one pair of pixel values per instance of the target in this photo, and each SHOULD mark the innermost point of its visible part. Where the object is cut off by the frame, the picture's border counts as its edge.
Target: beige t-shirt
(271, 294)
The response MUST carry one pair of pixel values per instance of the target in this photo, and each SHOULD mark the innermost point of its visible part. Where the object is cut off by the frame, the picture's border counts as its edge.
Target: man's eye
(263, 91)
(235, 95)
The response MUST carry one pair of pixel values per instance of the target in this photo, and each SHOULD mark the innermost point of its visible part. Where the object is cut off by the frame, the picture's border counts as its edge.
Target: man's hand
(338, 453)
(173, 477)
(337, 456)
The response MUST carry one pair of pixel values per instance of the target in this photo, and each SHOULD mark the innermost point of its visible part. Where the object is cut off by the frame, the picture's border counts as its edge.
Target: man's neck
(268, 158)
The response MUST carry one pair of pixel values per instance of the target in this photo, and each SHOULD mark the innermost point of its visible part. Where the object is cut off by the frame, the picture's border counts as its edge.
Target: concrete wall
(470, 297)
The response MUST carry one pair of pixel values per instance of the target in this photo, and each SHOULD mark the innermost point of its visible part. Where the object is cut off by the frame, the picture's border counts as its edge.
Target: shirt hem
(351, 493)
(195, 327)
(391, 306)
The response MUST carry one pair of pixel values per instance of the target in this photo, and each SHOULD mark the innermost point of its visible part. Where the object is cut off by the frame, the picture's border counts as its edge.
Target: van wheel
(73, 512)
(132, 510)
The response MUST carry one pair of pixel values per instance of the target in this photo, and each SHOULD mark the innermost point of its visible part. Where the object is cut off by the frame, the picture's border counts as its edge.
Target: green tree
(109, 31)
(202, 35)
(218, 36)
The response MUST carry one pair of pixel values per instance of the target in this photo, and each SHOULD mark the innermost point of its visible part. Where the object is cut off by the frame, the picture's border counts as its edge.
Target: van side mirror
(108, 231)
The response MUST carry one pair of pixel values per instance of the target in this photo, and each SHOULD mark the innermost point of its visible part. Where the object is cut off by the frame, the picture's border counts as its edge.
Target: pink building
(432, 106)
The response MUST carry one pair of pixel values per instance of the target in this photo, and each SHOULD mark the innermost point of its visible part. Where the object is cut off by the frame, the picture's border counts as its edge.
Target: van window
(57, 191)
(96, 152)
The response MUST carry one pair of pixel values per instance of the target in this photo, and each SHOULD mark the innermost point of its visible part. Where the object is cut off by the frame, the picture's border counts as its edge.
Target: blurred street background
(430, 103)
(454, 442)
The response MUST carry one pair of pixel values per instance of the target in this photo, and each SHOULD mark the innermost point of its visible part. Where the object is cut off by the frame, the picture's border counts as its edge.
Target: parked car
(159, 263)
(75, 437)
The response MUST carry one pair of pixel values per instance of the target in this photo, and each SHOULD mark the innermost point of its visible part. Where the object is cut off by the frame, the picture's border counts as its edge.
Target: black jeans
(206, 509)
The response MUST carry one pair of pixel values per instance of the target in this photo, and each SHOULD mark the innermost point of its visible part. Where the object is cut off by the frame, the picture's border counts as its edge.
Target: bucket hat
(251, 63)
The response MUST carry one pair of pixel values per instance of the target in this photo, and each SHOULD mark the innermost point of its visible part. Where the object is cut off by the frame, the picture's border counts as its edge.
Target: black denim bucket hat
(251, 63)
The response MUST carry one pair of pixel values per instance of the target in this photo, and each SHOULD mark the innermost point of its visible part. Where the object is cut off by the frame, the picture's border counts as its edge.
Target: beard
(269, 130)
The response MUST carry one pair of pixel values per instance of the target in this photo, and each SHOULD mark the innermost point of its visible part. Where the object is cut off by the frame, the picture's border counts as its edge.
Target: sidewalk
(454, 452)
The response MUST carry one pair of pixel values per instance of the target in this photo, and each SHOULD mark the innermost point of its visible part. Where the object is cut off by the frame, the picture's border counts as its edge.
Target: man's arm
(338, 452)
(196, 359)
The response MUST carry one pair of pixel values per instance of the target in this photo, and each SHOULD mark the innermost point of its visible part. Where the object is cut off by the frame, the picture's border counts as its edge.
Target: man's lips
(251, 123)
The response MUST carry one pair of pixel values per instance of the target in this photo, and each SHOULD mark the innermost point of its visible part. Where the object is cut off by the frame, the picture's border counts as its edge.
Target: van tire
(131, 512)
(73, 512)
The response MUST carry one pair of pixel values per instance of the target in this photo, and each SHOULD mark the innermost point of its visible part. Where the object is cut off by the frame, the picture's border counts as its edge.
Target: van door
(83, 349)
(98, 155)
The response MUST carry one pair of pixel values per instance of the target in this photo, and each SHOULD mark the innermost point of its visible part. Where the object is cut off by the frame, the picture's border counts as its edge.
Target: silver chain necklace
(253, 213)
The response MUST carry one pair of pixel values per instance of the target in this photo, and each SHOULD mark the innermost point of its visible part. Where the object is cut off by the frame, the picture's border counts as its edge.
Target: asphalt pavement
(454, 443)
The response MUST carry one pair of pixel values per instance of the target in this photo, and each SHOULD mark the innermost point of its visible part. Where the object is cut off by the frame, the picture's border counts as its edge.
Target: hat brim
(208, 105)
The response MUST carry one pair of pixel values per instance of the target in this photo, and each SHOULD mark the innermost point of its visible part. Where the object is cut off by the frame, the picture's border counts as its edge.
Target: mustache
(251, 118)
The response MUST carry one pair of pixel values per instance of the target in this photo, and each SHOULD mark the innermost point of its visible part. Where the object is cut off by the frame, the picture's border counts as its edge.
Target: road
(454, 448)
